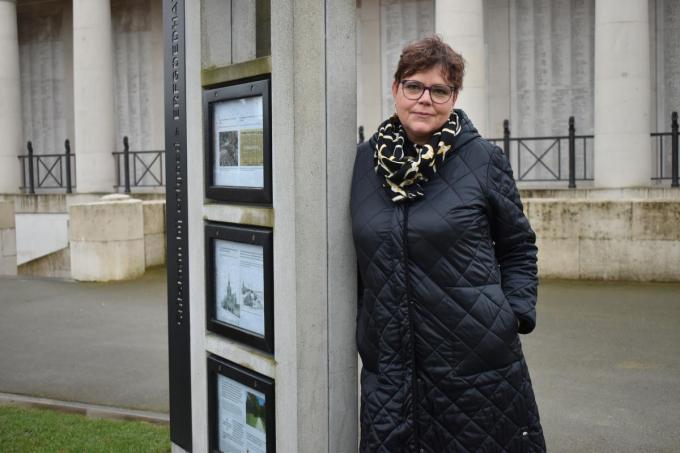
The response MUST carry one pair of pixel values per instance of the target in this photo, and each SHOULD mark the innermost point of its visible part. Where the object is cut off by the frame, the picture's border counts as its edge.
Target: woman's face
(422, 117)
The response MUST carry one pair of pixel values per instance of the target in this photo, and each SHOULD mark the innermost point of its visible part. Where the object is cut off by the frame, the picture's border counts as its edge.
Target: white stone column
(10, 99)
(461, 24)
(622, 151)
(313, 107)
(93, 102)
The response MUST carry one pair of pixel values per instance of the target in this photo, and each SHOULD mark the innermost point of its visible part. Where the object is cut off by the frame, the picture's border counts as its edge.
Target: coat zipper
(409, 305)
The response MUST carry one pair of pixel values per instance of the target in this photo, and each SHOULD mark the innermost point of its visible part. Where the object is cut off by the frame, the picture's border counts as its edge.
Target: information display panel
(240, 409)
(239, 274)
(238, 142)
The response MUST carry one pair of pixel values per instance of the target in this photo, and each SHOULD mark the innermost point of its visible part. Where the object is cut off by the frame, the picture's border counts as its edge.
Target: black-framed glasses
(439, 93)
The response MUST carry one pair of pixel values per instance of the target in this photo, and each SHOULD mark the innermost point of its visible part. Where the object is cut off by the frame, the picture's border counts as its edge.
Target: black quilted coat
(447, 281)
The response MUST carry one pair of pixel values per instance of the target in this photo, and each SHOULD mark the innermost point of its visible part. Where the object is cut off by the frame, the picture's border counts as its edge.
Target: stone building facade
(613, 65)
(91, 71)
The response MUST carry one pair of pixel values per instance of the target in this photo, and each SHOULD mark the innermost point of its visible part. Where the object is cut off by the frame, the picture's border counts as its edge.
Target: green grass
(40, 430)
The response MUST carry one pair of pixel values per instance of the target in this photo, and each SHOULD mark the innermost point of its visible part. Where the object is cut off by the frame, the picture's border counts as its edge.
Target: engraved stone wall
(401, 21)
(670, 40)
(132, 36)
(551, 78)
(664, 18)
(553, 71)
(42, 67)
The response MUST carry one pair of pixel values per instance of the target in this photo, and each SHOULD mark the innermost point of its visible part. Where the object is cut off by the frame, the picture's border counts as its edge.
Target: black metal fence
(666, 149)
(138, 168)
(48, 171)
(550, 158)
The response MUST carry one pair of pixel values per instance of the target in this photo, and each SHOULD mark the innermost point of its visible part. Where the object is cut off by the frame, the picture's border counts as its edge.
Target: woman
(448, 275)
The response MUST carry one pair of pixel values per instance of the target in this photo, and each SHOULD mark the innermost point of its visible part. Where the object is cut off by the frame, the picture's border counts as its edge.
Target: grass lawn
(40, 430)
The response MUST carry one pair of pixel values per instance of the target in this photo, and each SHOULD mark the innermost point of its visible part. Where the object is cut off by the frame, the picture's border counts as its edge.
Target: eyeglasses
(413, 90)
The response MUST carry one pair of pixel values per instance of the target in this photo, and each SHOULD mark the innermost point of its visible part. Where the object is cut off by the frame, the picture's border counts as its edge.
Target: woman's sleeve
(514, 241)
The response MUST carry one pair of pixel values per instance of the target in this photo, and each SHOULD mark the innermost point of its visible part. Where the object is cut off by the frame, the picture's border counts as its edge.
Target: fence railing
(48, 171)
(667, 153)
(549, 158)
(138, 168)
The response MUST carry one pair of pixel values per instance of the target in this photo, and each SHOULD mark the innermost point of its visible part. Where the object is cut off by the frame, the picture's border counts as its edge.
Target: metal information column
(176, 224)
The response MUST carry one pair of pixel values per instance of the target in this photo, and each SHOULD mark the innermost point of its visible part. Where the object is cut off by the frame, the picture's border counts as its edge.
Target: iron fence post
(31, 183)
(67, 149)
(506, 140)
(126, 163)
(674, 149)
(572, 153)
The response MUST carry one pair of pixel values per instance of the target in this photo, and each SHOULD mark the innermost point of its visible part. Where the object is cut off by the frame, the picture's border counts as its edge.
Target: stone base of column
(107, 239)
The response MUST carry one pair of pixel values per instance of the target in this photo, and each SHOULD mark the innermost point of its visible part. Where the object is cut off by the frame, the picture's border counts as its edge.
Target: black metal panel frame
(179, 342)
(246, 235)
(249, 378)
(256, 86)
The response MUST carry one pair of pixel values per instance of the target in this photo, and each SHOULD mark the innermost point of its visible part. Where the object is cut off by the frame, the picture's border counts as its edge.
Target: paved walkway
(605, 358)
(101, 343)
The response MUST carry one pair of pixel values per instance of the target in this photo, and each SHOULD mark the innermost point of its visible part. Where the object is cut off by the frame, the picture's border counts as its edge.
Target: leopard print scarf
(405, 165)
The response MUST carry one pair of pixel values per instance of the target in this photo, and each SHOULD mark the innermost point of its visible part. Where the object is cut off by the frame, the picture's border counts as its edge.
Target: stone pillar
(8, 238)
(313, 94)
(461, 24)
(107, 239)
(10, 99)
(313, 97)
(622, 150)
(93, 103)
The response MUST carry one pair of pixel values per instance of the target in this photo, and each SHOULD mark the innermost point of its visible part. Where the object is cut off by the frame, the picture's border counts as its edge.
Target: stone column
(10, 99)
(313, 105)
(461, 24)
(93, 103)
(622, 151)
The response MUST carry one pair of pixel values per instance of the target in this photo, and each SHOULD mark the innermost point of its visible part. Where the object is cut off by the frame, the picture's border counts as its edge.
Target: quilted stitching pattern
(471, 271)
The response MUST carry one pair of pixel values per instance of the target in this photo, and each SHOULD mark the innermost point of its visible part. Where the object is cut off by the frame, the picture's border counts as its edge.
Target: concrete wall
(8, 247)
(58, 203)
(54, 265)
(607, 239)
(39, 235)
(42, 231)
(640, 193)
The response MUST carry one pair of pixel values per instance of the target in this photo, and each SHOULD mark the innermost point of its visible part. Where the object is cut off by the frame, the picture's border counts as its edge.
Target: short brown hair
(427, 53)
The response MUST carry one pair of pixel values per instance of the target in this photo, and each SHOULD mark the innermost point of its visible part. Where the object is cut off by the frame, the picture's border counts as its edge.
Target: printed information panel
(241, 409)
(239, 283)
(238, 142)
